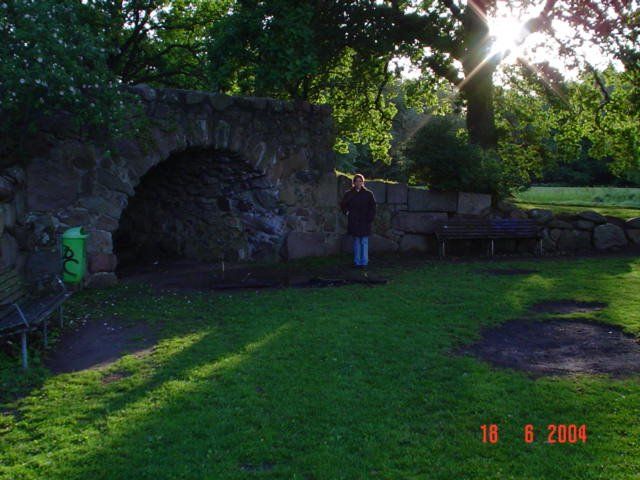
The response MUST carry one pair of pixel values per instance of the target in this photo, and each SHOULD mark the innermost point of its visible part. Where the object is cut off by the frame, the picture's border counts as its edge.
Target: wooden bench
(24, 307)
(481, 229)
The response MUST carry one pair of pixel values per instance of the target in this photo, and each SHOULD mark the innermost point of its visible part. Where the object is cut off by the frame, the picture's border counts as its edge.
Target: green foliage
(592, 120)
(359, 159)
(159, 42)
(51, 63)
(440, 155)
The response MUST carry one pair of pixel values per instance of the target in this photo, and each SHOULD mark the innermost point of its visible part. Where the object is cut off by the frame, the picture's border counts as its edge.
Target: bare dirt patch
(99, 343)
(559, 347)
(566, 306)
(187, 275)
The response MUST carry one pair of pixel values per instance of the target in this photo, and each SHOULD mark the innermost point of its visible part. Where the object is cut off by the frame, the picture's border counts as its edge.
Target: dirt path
(97, 343)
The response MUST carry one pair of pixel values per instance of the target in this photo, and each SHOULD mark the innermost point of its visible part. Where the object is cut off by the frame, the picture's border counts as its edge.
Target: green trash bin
(73, 255)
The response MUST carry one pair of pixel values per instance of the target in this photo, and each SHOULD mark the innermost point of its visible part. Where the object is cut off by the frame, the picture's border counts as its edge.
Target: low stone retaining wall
(406, 219)
(315, 226)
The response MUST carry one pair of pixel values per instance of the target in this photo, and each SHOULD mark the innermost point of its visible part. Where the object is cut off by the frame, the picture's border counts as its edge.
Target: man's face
(358, 183)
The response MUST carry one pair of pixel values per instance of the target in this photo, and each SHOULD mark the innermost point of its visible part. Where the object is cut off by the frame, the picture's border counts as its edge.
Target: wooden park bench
(483, 229)
(24, 307)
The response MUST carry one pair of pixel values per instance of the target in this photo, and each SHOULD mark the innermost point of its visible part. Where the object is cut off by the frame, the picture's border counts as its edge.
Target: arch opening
(201, 204)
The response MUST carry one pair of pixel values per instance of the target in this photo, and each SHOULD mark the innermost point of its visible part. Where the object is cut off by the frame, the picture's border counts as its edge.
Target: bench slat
(483, 229)
(14, 295)
(7, 281)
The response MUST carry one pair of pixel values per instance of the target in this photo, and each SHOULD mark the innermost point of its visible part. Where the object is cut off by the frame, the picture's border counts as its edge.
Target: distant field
(620, 202)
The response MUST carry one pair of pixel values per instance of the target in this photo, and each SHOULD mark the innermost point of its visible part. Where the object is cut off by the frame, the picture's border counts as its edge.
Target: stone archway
(201, 204)
(272, 162)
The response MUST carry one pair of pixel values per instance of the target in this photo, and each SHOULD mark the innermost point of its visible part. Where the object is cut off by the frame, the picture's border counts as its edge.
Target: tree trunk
(477, 86)
(478, 93)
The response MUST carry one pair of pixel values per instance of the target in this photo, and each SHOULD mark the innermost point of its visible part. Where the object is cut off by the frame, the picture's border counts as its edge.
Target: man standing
(359, 205)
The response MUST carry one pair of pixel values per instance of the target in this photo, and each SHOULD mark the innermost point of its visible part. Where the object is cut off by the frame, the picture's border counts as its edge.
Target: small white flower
(22, 80)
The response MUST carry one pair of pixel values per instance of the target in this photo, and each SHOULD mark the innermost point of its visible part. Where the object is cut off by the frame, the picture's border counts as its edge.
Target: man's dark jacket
(361, 209)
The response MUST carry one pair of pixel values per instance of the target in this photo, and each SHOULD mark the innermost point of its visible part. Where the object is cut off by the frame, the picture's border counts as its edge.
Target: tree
(50, 63)
(593, 117)
(324, 52)
(301, 45)
(159, 42)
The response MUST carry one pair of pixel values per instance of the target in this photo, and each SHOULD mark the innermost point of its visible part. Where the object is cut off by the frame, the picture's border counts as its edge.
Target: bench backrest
(13, 289)
(481, 228)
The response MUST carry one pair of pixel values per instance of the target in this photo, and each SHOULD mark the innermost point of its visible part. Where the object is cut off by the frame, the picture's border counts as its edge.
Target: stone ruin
(228, 178)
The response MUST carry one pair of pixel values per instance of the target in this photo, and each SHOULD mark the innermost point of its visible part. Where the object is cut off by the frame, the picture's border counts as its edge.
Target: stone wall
(262, 152)
(406, 218)
(218, 177)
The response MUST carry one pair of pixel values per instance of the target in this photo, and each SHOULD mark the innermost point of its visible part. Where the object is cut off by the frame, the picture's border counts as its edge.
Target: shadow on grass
(350, 383)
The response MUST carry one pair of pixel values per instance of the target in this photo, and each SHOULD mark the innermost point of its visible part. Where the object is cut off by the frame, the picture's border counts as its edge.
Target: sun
(508, 34)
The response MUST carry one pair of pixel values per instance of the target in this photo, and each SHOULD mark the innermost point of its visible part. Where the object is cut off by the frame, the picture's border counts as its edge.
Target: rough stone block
(414, 243)
(51, 184)
(397, 193)
(75, 217)
(304, 244)
(608, 236)
(592, 217)
(554, 234)
(288, 194)
(79, 155)
(634, 235)
(326, 193)
(417, 222)
(333, 242)
(584, 225)
(220, 101)
(430, 201)
(101, 206)
(560, 224)
(571, 240)
(379, 190)
(113, 182)
(615, 221)
(633, 223)
(378, 243)
(99, 241)
(540, 215)
(473, 203)
(347, 244)
(106, 223)
(102, 262)
(194, 98)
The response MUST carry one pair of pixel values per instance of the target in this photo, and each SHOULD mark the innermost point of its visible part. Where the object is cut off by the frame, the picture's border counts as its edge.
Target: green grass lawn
(618, 202)
(355, 382)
